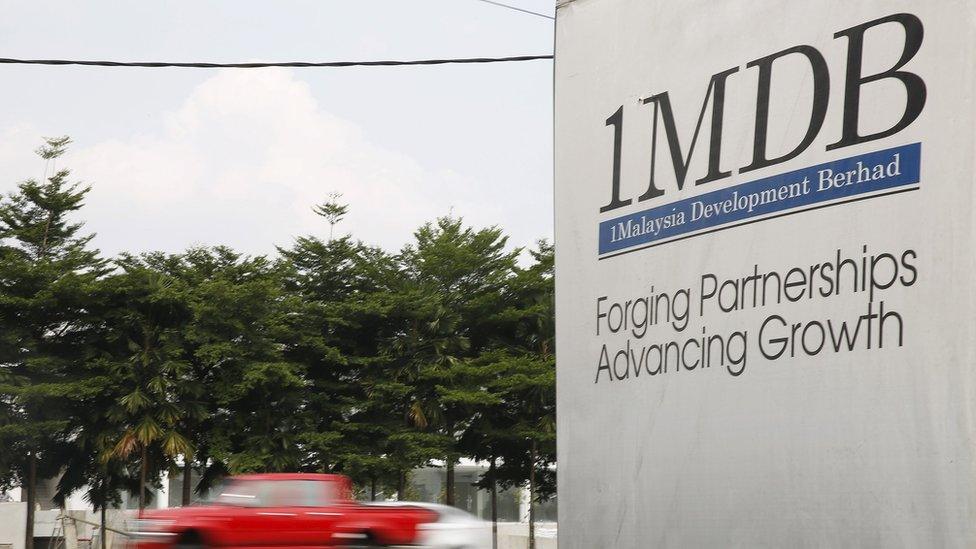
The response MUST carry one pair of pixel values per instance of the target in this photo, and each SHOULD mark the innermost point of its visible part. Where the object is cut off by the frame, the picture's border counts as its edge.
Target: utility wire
(499, 4)
(297, 64)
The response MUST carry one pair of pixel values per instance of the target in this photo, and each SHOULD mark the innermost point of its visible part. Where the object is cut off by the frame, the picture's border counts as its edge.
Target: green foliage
(337, 356)
(518, 427)
(332, 210)
(47, 276)
(236, 382)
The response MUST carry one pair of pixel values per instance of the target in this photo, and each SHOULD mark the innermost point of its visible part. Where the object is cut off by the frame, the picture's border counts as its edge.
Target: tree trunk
(449, 496)
(402, 486)
(494, 505)
(31, 489)
(187, 480)
(372, 489)
(532, 458)
(101, 536)
(142, 481)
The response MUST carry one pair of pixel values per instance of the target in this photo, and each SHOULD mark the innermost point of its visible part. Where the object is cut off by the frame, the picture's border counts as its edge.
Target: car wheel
(189, 544)
(366, 543)
(190, 540)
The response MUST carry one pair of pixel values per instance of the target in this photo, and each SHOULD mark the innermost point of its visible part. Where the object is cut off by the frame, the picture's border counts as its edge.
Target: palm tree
(149, 372)
(429, 351)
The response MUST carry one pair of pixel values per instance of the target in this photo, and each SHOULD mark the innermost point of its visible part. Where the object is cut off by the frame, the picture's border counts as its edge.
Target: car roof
(290, 476)
(441, 509)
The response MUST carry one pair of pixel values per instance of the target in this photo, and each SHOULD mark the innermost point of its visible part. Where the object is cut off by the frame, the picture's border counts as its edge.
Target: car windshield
(451, 514)
(274, 493)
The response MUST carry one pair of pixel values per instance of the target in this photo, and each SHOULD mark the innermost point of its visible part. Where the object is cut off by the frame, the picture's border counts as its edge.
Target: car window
(242, 493)
(452, 513)
(276, 493)
(302, 493)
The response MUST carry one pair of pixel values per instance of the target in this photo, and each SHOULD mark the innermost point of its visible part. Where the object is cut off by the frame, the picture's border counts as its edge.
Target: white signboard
(765, 273)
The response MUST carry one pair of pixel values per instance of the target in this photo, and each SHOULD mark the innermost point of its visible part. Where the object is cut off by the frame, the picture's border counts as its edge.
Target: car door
(316, 509)
(255, 515)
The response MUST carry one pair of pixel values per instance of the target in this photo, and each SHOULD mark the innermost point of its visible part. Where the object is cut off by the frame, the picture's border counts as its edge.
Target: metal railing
(96, 532)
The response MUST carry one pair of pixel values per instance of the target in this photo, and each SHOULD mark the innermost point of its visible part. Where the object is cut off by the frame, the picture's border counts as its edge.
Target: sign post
(765, 273)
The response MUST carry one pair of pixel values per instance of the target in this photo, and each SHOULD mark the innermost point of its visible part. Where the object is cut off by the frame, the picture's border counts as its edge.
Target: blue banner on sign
(844, 178)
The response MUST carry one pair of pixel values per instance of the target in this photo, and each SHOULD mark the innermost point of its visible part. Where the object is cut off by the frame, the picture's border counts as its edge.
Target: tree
(89, 463)
(47, 271)
(424, 356)
(516, 426)
(323, 336)
(531, 394)
(332, 210)
(345, 311)
(144, 357)
(528, 385)
(237, 336)
(456, 274)
(489, 436)
(338, 357)
(87, 452)
(233, 305)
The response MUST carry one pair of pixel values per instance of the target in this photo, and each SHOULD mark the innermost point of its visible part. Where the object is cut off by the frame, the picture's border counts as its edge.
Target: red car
(281, 509)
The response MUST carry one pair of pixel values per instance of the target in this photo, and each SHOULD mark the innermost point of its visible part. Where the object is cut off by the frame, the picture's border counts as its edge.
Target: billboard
(765, 273)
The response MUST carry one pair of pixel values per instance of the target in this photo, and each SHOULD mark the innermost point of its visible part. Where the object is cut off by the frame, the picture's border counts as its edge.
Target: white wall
(162, 495)
(46, 522)
(515, 535)
(12, 519)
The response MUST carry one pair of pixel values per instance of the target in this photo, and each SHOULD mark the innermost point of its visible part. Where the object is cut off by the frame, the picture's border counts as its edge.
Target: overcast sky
(181, 157)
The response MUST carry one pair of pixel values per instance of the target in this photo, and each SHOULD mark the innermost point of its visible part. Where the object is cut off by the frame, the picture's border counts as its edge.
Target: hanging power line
(296, 64)
(499, 4)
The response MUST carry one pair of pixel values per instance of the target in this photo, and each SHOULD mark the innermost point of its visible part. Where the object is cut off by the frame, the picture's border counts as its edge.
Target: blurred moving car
(453, 528)
(283, 509)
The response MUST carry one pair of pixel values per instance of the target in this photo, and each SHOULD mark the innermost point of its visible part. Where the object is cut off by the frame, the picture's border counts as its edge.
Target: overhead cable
(499, 4)
(294, 64)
